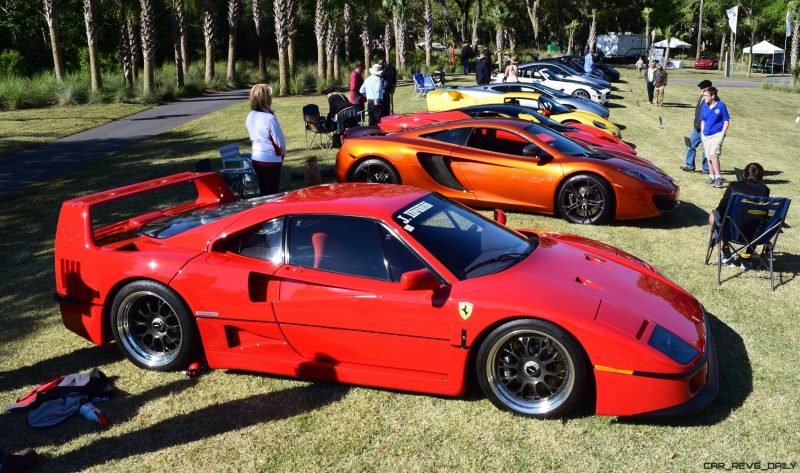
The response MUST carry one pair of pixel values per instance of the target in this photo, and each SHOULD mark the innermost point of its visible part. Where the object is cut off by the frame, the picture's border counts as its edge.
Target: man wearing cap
(482, 69)
(372, 88)
(695, 139)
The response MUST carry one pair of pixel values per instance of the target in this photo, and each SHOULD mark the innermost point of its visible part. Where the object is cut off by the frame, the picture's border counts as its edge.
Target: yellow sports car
(440, 100)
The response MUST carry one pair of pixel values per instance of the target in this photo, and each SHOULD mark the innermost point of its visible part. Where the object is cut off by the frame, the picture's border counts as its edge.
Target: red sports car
(705, 62)
(387, 286)
(586, 134)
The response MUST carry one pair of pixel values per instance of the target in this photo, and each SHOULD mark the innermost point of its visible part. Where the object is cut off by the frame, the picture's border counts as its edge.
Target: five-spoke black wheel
(585, 198)
(153, 326)
(377, 171)
(532, 368)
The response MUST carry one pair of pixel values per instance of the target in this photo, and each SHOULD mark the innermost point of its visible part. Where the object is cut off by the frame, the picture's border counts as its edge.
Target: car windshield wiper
(503, 257)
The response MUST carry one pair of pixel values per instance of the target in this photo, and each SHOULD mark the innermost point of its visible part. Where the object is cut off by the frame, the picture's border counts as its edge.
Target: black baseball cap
(704, 84)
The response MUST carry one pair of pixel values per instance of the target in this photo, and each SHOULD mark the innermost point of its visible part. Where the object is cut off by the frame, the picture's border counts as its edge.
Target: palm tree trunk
(592, 33)
(133, 42)
(292, 33)
(533, 13)
(51, 16)
(126, 59)
(281, 10)
(262, 60)
(319, 32)
(427, 19)
(208, 35)
(366, 42)
(329, 46)
(722, 44)
(148, 44)
(233, 26)
(498, 41)
(89, 17)
(183, 38)
(347, 27)
(176, 46)
(750, 56)
(387, 42)
(475, 22)
(699, 31)
(795, 48)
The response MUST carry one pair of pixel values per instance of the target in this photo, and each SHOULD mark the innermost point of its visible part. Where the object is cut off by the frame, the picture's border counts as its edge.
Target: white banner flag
(733, 17)
(788, 22)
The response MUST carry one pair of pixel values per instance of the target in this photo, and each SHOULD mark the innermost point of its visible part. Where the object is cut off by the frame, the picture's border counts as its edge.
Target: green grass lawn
(234, 421)
(20, 129)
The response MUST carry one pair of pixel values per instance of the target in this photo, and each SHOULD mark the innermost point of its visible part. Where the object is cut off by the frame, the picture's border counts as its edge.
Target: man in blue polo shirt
(714, 122)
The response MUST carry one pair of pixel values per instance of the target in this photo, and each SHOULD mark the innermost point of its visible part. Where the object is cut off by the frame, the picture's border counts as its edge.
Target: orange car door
(340, 298)
(497, 172)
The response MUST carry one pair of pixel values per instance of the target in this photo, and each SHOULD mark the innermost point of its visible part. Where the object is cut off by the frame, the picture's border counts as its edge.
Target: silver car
(567, 100)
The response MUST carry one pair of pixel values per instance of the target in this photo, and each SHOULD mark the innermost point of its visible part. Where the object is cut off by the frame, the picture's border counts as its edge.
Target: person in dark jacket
(466, 57)
(659, 84)
(483, 69)
(695, 138)
(749, 185)
(389, 84)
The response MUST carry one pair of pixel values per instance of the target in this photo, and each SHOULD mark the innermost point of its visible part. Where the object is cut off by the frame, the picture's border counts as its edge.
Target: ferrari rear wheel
(153, 327)
(585, 198)
(581, 93)
(532, 368)
(377, 171)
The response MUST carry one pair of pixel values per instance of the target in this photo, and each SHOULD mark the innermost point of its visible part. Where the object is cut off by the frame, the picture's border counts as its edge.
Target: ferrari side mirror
(418, 280)
(499, 216)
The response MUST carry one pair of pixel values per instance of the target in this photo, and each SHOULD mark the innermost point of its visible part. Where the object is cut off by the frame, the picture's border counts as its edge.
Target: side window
(456, 136)
(264, 241)
(399, 258)
(498, 141)
(344, 245)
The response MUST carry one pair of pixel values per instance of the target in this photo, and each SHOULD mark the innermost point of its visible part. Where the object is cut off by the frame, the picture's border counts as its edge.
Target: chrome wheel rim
(376, 173)
(530, 372)
(582, 201)
(149, 328)
(581, 93)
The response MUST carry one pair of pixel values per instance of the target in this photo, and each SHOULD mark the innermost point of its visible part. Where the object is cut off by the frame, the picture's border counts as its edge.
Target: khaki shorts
(712, 144)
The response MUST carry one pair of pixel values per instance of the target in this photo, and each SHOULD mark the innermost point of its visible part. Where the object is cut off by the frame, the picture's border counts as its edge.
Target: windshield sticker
(408, 215)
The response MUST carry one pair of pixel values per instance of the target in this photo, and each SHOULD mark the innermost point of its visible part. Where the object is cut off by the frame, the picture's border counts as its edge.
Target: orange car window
(498, 141)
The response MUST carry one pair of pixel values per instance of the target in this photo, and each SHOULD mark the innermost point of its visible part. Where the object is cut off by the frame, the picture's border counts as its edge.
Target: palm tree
(133, 41)
(427, 28)
(570, 29)
(258, 15)
(234, 8)
(699, 31)
(646, 12)
(125, 14)
(292, 30)
(208, 35)
(366, 42)
(148, 36)
(752, 22)
(668, 34)
(499, 14)
(51, 16)
(794, 6)
(475, 22)
(89, 18)
(331, 33)
(398, 8)
(387, 41)
(592, 32)
(347, 29)
(176, 43)
(533, 13)
(320, 20)
(282, 12)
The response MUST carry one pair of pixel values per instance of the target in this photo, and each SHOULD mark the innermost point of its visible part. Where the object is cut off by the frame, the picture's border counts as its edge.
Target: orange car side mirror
(419, 280)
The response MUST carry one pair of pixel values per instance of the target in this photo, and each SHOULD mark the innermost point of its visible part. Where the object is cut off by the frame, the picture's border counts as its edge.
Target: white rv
(622, 45)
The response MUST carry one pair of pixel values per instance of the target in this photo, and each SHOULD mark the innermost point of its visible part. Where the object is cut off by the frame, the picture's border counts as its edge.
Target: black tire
(153, 327)
(586, 199)
(582, 94)
(375, 170)
(532, 368)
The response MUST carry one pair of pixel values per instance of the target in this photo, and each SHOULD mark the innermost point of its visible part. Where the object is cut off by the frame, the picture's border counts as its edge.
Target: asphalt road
(20, 170)
(722, 83)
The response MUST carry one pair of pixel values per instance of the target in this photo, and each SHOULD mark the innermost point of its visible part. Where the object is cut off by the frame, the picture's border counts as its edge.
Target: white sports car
(548, 78)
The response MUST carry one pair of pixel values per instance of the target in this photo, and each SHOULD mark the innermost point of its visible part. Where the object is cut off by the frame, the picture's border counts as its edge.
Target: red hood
(607, 273)
(404, 121)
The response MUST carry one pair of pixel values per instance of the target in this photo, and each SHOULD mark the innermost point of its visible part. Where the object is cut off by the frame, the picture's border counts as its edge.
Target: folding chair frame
(321, 137)
(744, 243)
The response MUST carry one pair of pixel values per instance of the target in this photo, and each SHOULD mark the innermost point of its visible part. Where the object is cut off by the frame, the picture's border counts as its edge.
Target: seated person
(749, 185)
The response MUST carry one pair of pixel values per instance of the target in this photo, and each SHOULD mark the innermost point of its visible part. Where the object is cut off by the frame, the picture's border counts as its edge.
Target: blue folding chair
(422, 84)
(749, 222)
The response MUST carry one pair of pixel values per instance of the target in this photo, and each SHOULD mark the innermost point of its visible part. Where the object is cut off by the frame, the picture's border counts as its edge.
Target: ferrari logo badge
(464, 310)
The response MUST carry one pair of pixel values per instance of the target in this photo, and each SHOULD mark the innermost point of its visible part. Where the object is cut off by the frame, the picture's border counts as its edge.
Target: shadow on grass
(786, 267)
(79, 360)
(677, 105)
(735, 382)
(686, 215)
(614, 105)
(201, 424)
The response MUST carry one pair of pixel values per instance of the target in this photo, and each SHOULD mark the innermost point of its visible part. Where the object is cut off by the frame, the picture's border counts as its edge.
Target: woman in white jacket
(269, 144)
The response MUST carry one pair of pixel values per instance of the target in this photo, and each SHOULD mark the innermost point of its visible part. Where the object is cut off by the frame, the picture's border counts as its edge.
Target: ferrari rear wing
(78, 234)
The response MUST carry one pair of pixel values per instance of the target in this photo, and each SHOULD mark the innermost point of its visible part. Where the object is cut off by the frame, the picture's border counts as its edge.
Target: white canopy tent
(765, 47)
(673, 43)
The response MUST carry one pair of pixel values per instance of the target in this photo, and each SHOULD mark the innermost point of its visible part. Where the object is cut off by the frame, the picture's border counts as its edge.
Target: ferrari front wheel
(376, 171)
(153, 327)
(532, 368)
(585, 198)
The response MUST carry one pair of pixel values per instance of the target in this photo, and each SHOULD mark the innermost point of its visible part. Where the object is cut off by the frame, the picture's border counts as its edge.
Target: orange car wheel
(585, 198)
(375, 170)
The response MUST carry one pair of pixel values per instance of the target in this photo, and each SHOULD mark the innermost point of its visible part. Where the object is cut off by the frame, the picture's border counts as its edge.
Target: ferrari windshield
(467, 243)
(549, 104)
(556, 140)
(550, 91)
